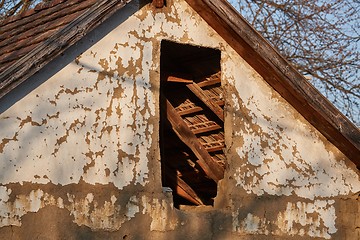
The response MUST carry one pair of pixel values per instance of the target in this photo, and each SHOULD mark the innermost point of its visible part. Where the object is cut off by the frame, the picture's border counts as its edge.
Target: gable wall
(83, 147)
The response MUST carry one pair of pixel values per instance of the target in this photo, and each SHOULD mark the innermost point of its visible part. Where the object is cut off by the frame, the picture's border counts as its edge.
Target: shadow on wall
(287, 169)
(31, 136)
(286, 176)
(297, 161)
(69, 55)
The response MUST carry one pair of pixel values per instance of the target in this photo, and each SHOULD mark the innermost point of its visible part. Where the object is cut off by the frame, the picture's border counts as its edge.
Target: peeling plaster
(86, 211)
(315, 219)
(159, 210)
(250, 225)
(281, 153)
(95, 121)
(104, 98)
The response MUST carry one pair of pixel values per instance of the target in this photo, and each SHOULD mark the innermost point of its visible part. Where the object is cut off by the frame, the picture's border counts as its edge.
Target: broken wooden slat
(179, 80)
(209, 82)
(201, 124)
(205, 129)
(185, 191)
(182, 188)
(189, 111)
(215, 93)
(187, 107)
(210, 167)
(219, 158)
(215, 148)
(207, 100)
(220, 102)
(213, 142)
(212, 80)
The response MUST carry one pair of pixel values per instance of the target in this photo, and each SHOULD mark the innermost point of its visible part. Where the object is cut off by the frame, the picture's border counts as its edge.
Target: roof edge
(281, 75)
(57, 43)
(31, 11)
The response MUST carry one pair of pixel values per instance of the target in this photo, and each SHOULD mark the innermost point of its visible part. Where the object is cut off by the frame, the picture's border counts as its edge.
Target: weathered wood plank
(208, 101)
(182, 188)
(210, 167)
(220, 103)
(215, 148)
(206, 129)
(56, 44)
(189, 111)
(179, 80)
(13, 25)
(36, 24)
(185, 191)
(209, 82)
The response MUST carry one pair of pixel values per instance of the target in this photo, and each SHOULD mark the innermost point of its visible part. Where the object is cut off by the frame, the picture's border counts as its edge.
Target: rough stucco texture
(94, 123)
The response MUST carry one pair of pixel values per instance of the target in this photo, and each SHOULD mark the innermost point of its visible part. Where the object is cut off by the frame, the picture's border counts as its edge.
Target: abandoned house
(165, 120)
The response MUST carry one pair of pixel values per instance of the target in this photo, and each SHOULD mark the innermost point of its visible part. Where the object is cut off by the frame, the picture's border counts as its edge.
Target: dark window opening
(192, 123)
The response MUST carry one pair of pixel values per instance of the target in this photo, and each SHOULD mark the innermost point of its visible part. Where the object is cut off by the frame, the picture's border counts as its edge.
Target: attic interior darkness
(192, 123)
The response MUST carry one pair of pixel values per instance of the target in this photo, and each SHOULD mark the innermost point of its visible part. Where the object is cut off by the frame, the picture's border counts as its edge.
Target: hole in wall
(191, 123)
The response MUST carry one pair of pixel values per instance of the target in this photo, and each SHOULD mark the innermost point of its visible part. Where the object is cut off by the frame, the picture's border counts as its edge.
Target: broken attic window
(192, 123)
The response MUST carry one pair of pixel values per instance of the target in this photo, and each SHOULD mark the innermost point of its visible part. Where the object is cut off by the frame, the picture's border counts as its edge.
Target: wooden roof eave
(291, 85)
(57, 44)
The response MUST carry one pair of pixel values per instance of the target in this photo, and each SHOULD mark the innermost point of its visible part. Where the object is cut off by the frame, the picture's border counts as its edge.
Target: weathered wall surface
(82, 149)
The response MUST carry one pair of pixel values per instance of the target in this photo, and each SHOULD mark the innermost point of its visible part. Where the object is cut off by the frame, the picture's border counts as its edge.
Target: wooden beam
(208, 101)
(57, 44)
(185, 191)
(209, 82)
(206, 129)
(214, 170)
(179, 80)
(181, 187)
(189, 111)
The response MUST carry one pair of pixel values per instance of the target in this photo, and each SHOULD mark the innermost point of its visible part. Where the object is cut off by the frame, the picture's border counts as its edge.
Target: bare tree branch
(321, 38)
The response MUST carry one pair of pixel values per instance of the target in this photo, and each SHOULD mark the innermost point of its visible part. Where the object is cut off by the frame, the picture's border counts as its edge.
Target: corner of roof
(59, 41)
(40, 6)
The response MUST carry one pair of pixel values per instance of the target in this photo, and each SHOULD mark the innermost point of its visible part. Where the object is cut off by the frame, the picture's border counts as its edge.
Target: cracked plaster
(94, 121)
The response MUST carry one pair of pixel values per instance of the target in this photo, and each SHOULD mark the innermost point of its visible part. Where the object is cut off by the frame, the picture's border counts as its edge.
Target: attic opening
(192, 138)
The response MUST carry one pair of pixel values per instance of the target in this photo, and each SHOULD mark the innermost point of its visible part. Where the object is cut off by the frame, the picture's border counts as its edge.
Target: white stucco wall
(94, 121)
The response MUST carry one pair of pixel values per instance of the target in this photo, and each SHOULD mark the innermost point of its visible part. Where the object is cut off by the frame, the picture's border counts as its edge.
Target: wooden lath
(201, 124)
(212, 80)
(196, 104)
(187, 107)
(210, 167)
(182, 188)
(207, 100)
(179, 80)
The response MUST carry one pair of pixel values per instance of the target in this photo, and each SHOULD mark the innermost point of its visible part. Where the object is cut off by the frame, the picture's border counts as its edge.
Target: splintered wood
(194, 112)
(200, 124)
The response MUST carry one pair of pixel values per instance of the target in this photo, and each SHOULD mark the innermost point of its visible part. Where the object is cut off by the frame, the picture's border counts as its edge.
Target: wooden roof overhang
(281, 75)
(54, 42)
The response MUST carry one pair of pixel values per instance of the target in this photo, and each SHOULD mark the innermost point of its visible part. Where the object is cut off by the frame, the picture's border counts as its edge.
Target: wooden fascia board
(291, 85)
(57, 44)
